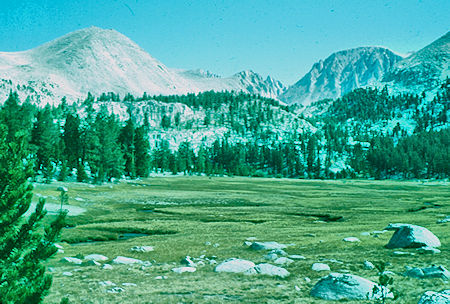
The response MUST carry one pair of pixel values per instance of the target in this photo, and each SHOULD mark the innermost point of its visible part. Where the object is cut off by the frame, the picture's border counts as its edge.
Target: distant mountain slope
(97, 60)
(340, 73)
(425, 68)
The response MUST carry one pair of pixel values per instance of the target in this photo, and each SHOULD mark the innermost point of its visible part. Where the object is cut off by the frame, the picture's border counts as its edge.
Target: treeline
(61, 144)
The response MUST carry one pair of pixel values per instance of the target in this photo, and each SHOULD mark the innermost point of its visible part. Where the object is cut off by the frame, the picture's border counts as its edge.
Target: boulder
(234, 265)
(126, 261)
(184, 269)
(187, 261)
(428, 250)
(283, 261)
(368, 265)
(428, 272)
(351, 239)
(320, 267)
(268, 269)
(67, 274)
(271, 256)
(96, 257)
(431, 297)
(107, 267)
(411, 236)
(296, 257)
(267, 246)
(338, 286)
(71, 260)
(92, 263)
(142, 248)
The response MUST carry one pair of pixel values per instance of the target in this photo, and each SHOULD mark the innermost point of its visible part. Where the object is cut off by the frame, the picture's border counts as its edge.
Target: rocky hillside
(424, 69)
(97, 60)
(340, 73)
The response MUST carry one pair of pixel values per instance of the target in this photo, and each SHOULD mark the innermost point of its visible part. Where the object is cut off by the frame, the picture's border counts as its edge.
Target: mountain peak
(340, 73)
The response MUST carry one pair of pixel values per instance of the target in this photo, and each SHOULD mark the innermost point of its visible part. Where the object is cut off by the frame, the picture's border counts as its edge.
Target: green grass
(180, 214)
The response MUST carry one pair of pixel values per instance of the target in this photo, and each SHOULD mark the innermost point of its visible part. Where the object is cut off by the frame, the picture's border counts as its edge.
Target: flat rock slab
(411, 236)
(338, 286)
(96, 257)
(351, 239)
(234, 265)
(432, 297)
(125, 261)
(320, 267)
(428, 272)
(184, 269)
(268, 269)
(267, 246)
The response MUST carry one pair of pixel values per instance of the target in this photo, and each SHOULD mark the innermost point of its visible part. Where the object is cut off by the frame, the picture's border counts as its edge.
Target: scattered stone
(115, 289)
(338, 286)
(125, 261)
(320, 267)
(428, 250)
(216, 245)
(307, 280)
(234, 265)
(351, 239)
(267, 246)
(368, 265)
(96, 257)
(278, 251)
(297, 288)
(247, 243)
(184, 269)
(187, 261)
(142, 248)
(310, 235)
(414, 273)
(62, 189)
(60, 251)
(106, 283)
(365, 233)
(161, 278)
(70, 260)
(58, 246)
(428, 272)
(212, 262)
(379, 231)
(79, 199)
(67, 274)
(431, 297)
(436, 272)
(107, 267)
(208, 243)
(128, 284)
(283, 261)
(444, 220)
(92, 263)
(296, 257)
(411, 236)
(402, 253)
(251, 238)
(268, 269)
(271, 256)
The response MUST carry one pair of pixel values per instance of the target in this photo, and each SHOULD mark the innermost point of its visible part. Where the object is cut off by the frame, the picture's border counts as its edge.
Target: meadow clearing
(213, 217)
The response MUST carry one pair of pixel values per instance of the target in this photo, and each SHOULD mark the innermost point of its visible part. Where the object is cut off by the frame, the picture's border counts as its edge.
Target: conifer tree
(22, 247)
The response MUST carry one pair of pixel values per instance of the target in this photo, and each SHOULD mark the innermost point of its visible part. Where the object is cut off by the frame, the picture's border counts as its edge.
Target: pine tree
(22, 247)
(142, 150)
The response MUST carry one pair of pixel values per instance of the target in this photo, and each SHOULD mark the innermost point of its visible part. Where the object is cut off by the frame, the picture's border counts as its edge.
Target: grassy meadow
(197, 216)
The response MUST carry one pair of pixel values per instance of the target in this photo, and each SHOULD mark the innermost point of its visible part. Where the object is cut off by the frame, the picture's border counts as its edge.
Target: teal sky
(280, 38)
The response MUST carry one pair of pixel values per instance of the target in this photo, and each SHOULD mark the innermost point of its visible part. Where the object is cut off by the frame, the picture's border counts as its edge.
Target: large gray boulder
(411, 236)
(431, 297)
(338, 286)
(234, 265)
(428, 272)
